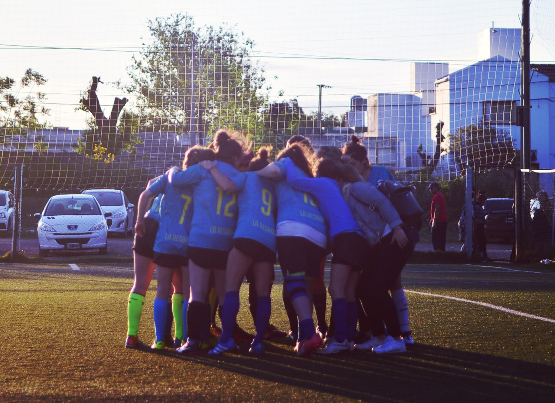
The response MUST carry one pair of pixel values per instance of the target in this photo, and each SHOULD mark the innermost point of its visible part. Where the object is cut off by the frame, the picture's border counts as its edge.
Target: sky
(356, 47)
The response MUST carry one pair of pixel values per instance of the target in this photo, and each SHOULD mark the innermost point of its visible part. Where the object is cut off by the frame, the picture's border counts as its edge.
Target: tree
(281, 121)
(190, 79)
(481, 146)
(20, 108)
(106, 137)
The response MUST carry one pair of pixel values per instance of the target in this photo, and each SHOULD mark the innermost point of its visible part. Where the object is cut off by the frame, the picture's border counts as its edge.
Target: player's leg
(164, 280)
(143, 268)
(263, 274)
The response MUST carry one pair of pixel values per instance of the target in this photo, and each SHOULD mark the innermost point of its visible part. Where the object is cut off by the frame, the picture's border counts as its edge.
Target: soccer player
(300, 238)
(356, 155)
(143, 269)
(212, 228)
(254, 245)
(349, 248)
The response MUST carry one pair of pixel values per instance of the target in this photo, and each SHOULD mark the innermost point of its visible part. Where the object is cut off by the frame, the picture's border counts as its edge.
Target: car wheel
(43, 252)
(104, 250)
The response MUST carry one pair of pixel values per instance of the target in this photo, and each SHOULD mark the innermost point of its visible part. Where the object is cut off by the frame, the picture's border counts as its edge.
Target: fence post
(469, 227)
(18, 184)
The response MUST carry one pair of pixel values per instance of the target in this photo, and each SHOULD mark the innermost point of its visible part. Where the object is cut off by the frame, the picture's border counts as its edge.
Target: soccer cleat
(168, 341)
(133, 342)
(273, 333)
(369, 344)
(215, 330)
(189, 348)
(390, 345)
(408, 339)
(305, 347)
(229, 347)
(256, 349)
(241, 335)
(362, 337)
(334, 347)
(158, 345)
(176, 343)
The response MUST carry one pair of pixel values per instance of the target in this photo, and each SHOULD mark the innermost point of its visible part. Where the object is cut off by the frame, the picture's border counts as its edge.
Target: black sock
(320, 302)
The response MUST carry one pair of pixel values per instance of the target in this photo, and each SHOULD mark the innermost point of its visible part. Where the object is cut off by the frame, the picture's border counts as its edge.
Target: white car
(115, 202)
(6, 212)
(72, 222)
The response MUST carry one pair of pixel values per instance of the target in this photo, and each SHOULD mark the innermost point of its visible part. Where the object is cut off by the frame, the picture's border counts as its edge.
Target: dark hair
(331, 152)
(300, 156)
(261, 160)
(356, 151)
(196, 154)
(328, 168)
(350, 174)
(297, 138)
(228, 148)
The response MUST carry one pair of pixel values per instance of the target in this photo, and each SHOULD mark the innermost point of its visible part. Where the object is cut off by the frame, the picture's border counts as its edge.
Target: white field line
(505, 268)
(73, 266)
(499, 308)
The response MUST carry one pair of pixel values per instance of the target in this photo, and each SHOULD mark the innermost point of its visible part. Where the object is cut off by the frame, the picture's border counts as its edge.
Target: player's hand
(400, 237)
(208, 164)
(140, 227)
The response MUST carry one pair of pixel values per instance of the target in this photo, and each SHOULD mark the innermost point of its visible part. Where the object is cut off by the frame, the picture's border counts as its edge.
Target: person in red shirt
(438, 217)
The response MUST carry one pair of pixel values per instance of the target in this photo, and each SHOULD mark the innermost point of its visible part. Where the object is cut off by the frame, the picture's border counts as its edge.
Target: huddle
(227, 214)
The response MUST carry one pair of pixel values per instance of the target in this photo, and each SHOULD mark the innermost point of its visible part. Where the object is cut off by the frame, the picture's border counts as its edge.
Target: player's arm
(142, 207)
(223, 181)
(271, 171)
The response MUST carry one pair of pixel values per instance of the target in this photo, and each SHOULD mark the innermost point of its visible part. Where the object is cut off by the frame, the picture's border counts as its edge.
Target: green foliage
(481, 146)
(190, 79)
(20, 108)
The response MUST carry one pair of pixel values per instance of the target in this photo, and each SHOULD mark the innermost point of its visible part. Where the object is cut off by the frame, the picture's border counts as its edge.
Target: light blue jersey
(296, 205)
(176, 212)
(333, 205)
(379, 172)
(257, 209)
(215, 215)
(154, 211)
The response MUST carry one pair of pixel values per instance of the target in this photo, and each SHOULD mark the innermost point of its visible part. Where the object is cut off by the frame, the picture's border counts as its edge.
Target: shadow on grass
(423, 374)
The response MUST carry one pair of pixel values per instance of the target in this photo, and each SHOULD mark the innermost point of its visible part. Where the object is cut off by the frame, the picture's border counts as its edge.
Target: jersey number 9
(267, 202)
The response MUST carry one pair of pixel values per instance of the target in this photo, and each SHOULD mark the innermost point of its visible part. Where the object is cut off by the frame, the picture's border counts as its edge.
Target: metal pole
(193, 122)
(320, 86)
(468, 214)
(525, 86)
(18, 184)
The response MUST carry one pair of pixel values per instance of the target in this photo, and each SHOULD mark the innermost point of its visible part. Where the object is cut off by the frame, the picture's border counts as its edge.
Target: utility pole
(320, 86)
(521, 208)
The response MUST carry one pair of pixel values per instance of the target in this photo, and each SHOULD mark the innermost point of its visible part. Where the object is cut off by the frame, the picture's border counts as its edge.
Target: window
(500, 112)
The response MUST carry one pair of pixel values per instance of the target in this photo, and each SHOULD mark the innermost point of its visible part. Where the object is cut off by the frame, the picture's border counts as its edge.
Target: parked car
(500, 218)
(116, 202)
(6, 212)
(72, 222)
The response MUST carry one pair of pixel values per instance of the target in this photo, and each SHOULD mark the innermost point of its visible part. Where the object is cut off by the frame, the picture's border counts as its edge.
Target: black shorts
(170, 261)
(350, 248)
(142, 245)
(208, 258)
(297, 254)
(255, 250)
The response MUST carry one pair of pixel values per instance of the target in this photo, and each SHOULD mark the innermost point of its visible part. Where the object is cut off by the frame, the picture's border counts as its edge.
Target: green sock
(134, 311)
(177, 310)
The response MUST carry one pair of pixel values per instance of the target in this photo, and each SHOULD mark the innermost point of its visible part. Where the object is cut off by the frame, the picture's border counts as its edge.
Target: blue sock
(352, 317)
(169, 319)
(339, 313)
(230, 309)
(185, 305)
(263, 312)
(160, 315)
(306, 329)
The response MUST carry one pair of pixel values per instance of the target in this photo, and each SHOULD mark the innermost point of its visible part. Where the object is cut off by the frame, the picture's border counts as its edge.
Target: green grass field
(62, 336)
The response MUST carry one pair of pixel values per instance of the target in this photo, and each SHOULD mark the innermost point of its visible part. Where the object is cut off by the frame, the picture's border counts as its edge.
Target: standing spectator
(480, 226)
(438, 217)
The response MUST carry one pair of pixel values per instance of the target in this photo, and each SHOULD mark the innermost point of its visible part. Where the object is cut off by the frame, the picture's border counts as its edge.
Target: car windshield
(2, 199)
(72, 206)
(107, 198)
(499, 205)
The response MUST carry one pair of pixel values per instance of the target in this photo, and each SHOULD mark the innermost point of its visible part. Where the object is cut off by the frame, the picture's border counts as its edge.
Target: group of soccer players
(227, 214)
